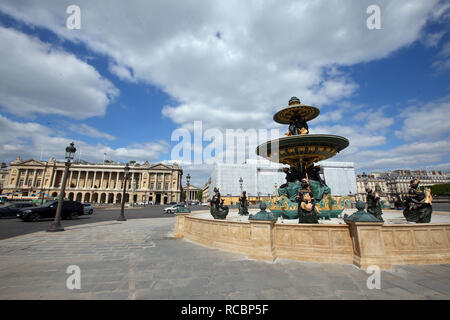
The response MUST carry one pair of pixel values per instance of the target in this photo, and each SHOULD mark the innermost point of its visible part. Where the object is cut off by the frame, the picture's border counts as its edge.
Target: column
(101, 181)
(93, 181)
(70, 180)
(78, 178)
(109, 181)
(86, 177)
(17, 178)
(132, 179)
(25, 183)
(34, 177)
(117, 180)
(55, 172)
(140, 181)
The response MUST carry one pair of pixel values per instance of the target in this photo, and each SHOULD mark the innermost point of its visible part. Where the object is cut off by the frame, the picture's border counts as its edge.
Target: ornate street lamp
(56, 225)
(240, 182)
(188, 179)
(126, 171)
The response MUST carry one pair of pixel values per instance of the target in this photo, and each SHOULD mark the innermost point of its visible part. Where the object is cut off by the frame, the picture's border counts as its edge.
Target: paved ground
(136, 259)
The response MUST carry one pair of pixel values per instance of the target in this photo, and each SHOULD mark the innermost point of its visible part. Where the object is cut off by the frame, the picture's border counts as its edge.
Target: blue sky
(136, 72)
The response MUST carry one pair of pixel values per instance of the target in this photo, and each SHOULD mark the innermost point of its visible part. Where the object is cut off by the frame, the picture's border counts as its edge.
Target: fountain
(300, 150)
(361, 238)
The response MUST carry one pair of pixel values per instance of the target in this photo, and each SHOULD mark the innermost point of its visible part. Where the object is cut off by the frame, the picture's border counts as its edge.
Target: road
(15, 227)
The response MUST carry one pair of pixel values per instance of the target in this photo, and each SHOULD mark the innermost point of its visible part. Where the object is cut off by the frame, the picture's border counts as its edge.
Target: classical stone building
(4, 172)
(396, 183)
(94, 182)
(192, 196)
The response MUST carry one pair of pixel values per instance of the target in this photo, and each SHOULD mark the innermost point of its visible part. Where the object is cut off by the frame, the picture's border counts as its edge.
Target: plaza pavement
(138, 259)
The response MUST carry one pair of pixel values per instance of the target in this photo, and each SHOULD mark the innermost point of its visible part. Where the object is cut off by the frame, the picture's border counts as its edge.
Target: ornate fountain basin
(330, 206)
(306, 148)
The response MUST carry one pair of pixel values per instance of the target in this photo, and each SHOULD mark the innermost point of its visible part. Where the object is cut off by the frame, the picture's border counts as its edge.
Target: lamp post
(188, 179)
(240, 182)
(56, 225)
(122, 207)
(42, 183)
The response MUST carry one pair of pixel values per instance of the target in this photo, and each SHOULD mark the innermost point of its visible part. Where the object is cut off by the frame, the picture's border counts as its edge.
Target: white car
(173, 208)
(88, 208)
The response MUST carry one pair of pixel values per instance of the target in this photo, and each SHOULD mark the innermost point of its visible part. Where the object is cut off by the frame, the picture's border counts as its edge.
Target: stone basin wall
(362, 244)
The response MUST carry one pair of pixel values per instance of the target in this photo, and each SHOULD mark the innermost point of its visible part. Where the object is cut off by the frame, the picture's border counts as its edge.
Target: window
(21, 183)
(38, 183)
(30, 182)
(152, 176)
(159, 186)
(152, 185)
(167, 176)
(166, 186)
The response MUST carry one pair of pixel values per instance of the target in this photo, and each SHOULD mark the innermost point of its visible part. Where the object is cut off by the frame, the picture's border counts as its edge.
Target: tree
(441, 189)
(199, 195)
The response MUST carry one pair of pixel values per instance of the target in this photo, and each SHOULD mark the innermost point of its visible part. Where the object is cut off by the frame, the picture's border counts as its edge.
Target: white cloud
(89, 131)
(38, 79)
(29, 139)
(426, 121)
(267, 51)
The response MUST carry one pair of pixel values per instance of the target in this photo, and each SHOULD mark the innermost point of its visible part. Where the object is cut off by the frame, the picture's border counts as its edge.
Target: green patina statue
(218, 210)
(243, 204)
(263, 214)
(181, 208)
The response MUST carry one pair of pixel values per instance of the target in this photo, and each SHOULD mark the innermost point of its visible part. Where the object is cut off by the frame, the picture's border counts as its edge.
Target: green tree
(199, 195)
(440, 189)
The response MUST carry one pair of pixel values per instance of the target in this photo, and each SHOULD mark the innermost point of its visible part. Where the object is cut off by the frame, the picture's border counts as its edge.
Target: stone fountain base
(331, 241)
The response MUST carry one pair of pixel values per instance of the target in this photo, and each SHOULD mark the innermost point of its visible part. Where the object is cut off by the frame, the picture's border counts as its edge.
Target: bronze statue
(373, 203)
(297, 125)
(307, 211)
(418, 204)
(243, 204)
(291, 176)
(218, 210)
(314, 174)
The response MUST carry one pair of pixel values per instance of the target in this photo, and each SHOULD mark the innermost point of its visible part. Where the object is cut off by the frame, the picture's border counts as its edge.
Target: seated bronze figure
(418, 204)
(373, 203)
(218, 210)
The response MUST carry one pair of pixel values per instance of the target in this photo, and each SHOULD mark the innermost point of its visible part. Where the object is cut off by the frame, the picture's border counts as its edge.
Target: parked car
(172, 203)
(205, 204)
(173, 209)
(88, 208)
(12, 209)
(70, 210)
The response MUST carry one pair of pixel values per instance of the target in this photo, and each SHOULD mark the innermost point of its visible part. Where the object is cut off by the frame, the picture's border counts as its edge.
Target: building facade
(95, 183)
(206, 191)
(192, 194)
(4, 173)
(392, 184)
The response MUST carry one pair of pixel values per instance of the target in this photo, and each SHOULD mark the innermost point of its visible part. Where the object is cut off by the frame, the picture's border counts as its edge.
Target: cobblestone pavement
(137, 259)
